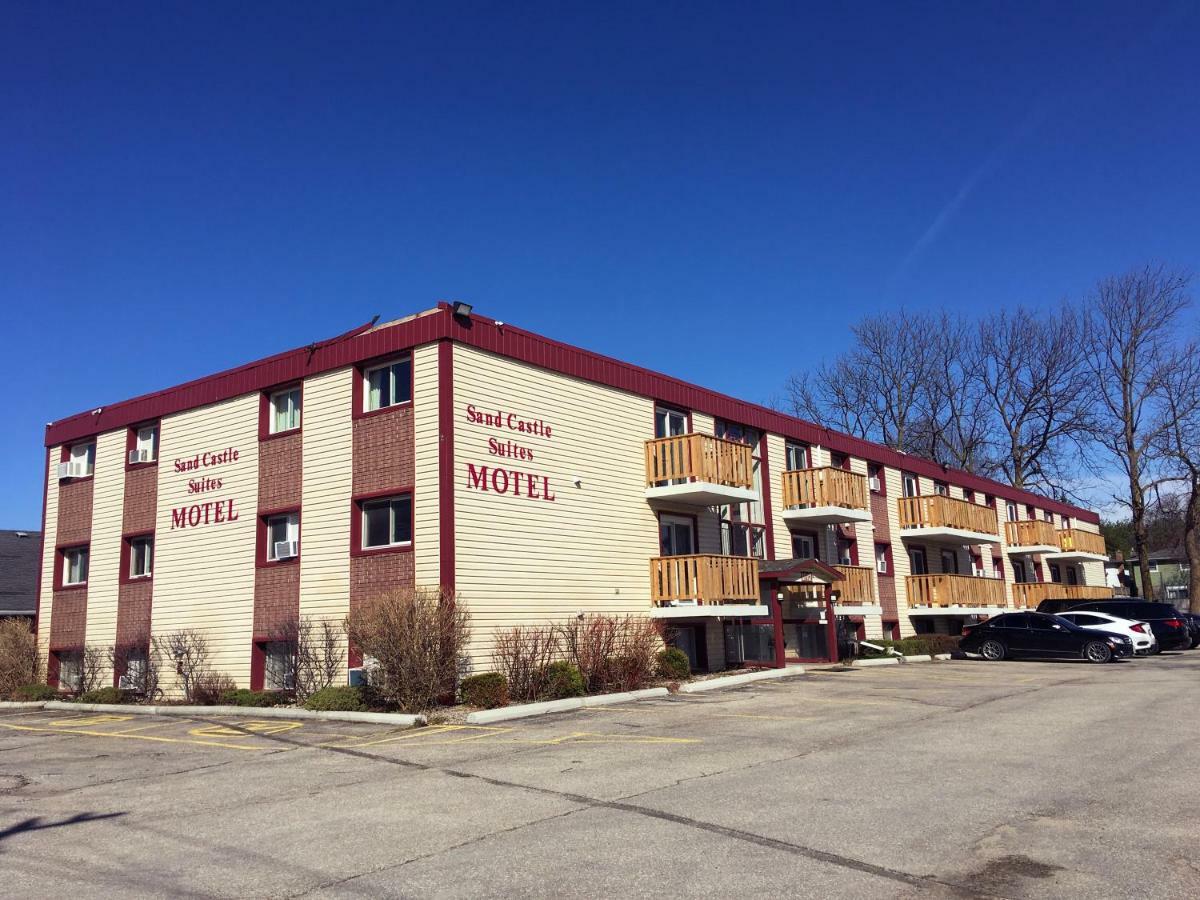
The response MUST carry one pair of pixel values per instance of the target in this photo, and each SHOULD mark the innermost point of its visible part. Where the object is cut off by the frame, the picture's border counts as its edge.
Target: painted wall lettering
(212, 512)
(529, 485)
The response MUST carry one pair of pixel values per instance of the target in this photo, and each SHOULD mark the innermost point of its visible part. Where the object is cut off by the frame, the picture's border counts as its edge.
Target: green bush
(487, 691)
(104, 695)
(673, 664)
(245, 697)
(35, 692)
(562, 680)
(917, 645)
(338, 699)
(210, 687)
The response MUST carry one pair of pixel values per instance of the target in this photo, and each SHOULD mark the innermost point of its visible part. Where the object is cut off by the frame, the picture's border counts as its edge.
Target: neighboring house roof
(20, 557)
(1168, 555)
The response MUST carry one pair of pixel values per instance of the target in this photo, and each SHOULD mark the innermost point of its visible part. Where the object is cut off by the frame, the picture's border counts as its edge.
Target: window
(968, 495)
(387, 523)
(845, 551)
(1153, 565)
(881, 559)
(283, 536)
(804, 546)
(676, 536)
(75, 566)
(997, 567)
(389, 385)
(145, 444)
(1072, 577)
(949, 562)
(83, 459)
(1048, 516)
(1041, 623)
(285, 410)
(796, 456)
(838, 461)
(141, 557)
(1012, 620)
(875, 479)
(1018, 572)
(1011, 511)
(742, 529)
(669, 422)
(279, 666)
(1055, 573)
(70, 670)
(916, 561)
(941, 488)
(911, 487)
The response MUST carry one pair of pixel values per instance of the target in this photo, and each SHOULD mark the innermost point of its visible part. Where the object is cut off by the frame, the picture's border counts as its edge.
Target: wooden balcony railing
(954, 590)
(704, 578)
(701, 457)
(939, 511)
(825, 486)
(858, 588)
(1032, 533)
(1072, 540)
(1029, 595)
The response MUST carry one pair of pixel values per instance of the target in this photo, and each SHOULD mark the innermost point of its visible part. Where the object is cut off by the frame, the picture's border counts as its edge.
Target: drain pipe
(890, 651)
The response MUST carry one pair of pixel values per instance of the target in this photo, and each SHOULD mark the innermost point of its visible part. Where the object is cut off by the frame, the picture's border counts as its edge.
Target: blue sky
(712, 190)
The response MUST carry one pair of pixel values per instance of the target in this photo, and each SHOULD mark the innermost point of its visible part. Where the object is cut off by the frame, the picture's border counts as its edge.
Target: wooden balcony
(825, 496)
(943, 519)
(858, 588)
(941, 591)
(1080, 545)
(704, 579)
(699, 469)
(1031, 536)
(1028, 596)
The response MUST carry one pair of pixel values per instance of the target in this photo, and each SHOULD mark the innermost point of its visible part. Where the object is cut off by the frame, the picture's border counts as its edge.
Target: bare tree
(93, 668)
(1039, 394)
(1180, 448)
(1130, 349)
(316, 653)
(186, 651)
(140, 667)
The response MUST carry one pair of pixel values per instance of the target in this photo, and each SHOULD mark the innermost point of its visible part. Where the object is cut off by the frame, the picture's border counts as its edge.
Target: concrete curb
(880, 661)
(942, 656)
(22, 704)
(919, 658)
(730, 681)
(896, 660)
(545, 707)
(249, 712)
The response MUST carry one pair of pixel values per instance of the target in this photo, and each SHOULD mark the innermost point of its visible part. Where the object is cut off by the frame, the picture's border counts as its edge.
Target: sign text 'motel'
(210, 512)
(491, 478)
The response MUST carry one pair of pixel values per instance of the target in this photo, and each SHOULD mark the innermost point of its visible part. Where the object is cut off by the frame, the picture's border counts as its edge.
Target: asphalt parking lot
(957, 779)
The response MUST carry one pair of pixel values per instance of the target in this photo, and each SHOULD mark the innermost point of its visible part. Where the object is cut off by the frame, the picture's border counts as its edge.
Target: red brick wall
(141, 498)
(383, 451)
(74, 512)
(886, 584)
(280, 471)
(68, 619)
(276, 598)
(134, 602)
(378, 574)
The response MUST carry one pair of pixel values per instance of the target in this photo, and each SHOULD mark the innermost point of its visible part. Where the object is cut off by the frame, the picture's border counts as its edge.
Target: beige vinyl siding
(702, 423)
(326, 455)
(204, 576)
(426, 510)
(108, 505)
(1091, 570)
(49, 536)
(777, 465)
(525, 561)
(894, 481)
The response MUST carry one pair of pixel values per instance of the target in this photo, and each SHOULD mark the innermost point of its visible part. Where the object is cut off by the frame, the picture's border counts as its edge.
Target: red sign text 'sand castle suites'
(500, 479)
(208, 512)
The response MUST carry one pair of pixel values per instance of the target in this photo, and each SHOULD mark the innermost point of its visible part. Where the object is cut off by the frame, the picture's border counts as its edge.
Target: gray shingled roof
(20, 555)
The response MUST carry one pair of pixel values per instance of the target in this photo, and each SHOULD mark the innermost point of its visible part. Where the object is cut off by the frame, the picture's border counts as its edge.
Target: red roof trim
(364, 343)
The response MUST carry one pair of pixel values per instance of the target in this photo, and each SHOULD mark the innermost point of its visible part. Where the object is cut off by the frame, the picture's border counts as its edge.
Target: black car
(1031, 634)
(1167, 623)
(1193, 624)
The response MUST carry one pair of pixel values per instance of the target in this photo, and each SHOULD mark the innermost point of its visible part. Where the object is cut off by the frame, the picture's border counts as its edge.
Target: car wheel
(992, 651)
(1097, 652)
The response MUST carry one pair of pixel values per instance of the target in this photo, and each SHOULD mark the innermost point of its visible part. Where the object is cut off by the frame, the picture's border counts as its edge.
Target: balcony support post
(777, 625)
(830, 625)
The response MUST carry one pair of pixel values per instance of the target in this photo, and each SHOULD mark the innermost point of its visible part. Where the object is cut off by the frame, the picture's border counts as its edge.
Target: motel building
(537, 481)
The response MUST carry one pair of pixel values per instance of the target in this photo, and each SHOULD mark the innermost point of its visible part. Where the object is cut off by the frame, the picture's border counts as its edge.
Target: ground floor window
(806, 640)
(70, 669)
(745, 642)
(692, 640)
(278, 666)
(891, 631)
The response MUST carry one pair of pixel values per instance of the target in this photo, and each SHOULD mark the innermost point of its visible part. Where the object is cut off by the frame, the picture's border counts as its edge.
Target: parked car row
(1098, 631)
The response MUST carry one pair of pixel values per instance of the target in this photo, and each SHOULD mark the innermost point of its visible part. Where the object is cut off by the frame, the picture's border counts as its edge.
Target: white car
(1144, 641)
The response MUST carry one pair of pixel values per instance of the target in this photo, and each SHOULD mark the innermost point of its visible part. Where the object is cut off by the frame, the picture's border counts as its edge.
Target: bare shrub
(186, 651)
(522, 655)
(93, 668)
(415, 638)
(316, 654)
(612, 653)
(208, 688)
(138, 667)
(20, 663)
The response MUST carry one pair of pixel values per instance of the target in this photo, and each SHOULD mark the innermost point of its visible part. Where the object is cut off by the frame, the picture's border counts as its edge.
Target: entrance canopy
(798, 571)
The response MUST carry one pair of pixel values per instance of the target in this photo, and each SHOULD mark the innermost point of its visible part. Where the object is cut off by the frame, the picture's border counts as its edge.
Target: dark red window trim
(123, 576)
(60, 558)
(356, 502)
(359, 410)
(814, 536)
(260, 541)
(65, 456)
(887, 560)
(264, 411)
(659, 513)
(874, 470)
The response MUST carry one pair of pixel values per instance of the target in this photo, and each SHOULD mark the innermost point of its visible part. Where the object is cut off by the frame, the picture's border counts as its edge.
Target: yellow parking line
(131, 737)
(432, 730)
(773, 718)
(145, 727)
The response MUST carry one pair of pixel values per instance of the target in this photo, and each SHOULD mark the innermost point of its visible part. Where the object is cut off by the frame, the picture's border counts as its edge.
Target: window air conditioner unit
(357, 677)
(140, 456)
(128, 683)
(873, 481)
(286, 549)
(64, 470)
